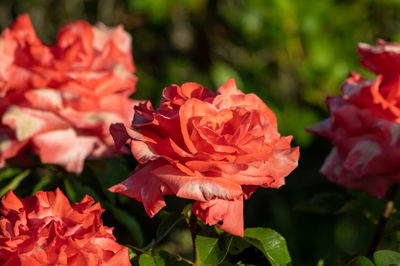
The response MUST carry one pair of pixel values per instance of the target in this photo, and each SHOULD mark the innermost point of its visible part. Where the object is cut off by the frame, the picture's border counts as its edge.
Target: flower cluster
(59, 100)
(365, 124)
(46, 229)
(214, 148)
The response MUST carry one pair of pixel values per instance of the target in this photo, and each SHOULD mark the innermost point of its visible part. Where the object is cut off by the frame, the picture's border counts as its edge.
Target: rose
(364, 124)
(211, 148)
(60, 100)
(46, 229)
(88, 59)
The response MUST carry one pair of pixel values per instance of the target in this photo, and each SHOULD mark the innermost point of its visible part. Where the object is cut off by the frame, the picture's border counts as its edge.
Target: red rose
(60, 100)
(364, 124)
(211, 148)
(46, 229)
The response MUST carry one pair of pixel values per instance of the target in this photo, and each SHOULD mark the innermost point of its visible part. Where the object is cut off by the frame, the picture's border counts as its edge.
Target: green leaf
(238, 245)
(169, 221)
(146, 260)
(360, 261)
(14, 182)
(42, 183)
(9, 172)
(132, 254)
(69, 190)
(386, 258)
(76, 191)
(212, 250)
(163, 258)
(187, 211)
(271, 244)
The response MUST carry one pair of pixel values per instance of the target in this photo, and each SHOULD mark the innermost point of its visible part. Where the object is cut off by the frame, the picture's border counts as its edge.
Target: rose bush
(364, 124)
(59, 100)
(46, 229)
(214, 148)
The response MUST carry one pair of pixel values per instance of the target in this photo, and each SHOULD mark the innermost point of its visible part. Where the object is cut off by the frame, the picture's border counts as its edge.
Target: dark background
(292, 54)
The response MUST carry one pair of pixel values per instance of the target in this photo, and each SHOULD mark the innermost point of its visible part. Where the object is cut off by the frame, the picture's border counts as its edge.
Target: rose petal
(145, 187)
(64, 147)
(229, 212)
(193, 108)
(28, 122)
(196, 187)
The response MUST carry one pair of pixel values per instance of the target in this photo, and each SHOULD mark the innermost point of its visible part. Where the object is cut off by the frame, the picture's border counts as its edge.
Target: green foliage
(43, 182)
(12, 177)
(132, 253)
(360, 261)
(212, 249)
(8, 173)
(292, 54)
(238, 245)
(168, 222)
(76, 190)
(381, 258)
(146, 260)
(270, 243)
(386, 258)
(215, 247)
(163, 258)
(128, 220)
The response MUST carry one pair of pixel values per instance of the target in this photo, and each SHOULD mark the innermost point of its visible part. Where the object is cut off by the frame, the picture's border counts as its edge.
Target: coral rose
(59, 100)
(364, 124)
(46, 229)
(211, 148)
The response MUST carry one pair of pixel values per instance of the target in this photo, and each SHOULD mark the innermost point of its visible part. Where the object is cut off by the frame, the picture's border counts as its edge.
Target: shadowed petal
(144, 187)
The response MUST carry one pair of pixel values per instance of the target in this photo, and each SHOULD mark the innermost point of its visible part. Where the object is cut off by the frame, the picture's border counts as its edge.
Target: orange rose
(46, 229)
(60, 100)
(364, 124)
(211, 148)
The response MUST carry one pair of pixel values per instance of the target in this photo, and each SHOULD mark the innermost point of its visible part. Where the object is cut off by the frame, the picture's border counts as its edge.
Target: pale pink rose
(59, 100)
(364, 124)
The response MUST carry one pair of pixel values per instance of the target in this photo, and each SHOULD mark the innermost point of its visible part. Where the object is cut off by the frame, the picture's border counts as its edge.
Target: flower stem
(389, 203)
(193, 230)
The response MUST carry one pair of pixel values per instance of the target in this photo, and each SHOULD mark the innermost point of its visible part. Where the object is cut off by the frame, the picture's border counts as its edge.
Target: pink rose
(214, 148)
(364, 124)
(60, 100)
(46, 229)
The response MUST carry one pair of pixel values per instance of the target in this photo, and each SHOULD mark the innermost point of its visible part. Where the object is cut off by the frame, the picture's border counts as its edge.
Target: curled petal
(191, 109)
(144, 187)
(199, 188)
(226, 214)
(119, 134)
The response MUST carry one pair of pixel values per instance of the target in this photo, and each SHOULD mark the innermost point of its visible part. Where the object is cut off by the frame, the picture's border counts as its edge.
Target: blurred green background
(292, 54)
